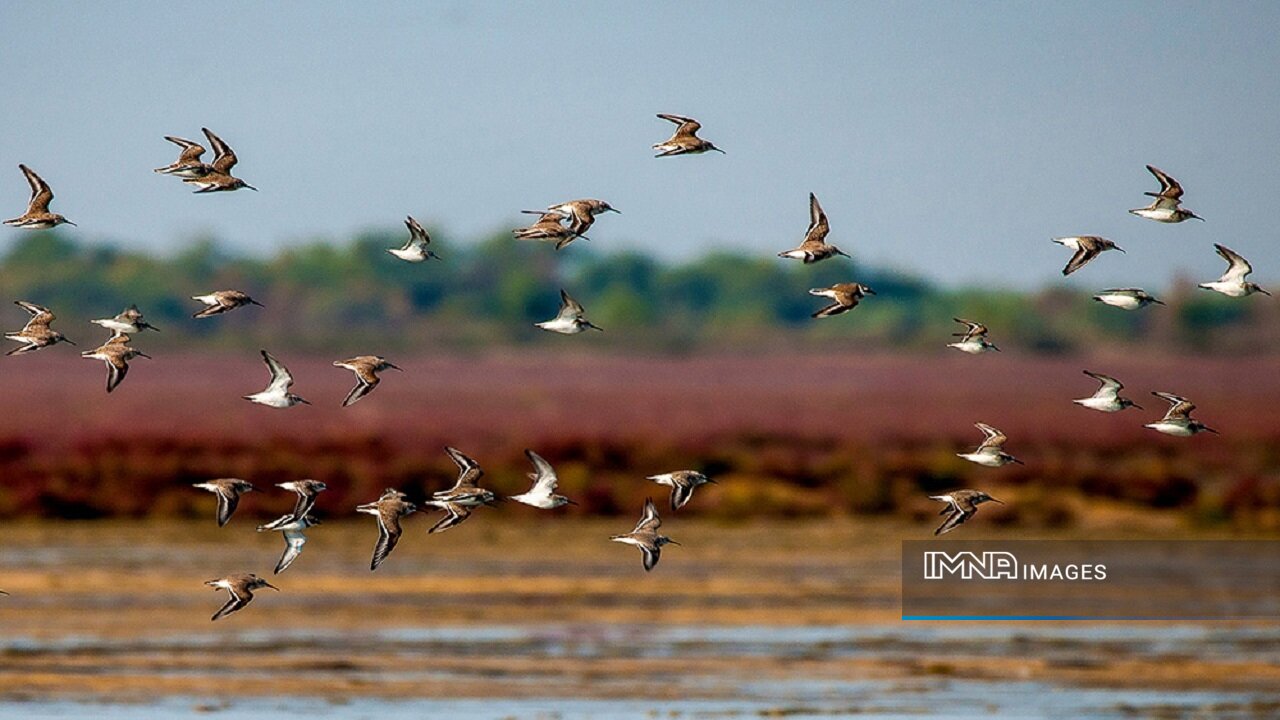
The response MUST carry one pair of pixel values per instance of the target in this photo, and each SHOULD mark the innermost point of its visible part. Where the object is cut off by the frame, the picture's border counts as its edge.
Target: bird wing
(224, 158)
(234, 603)
(1237, 267)
(975, 329)
(454, 515)
(570, 309)
(41, 195)
(954, 520)
(1179, 407)
(40, 315)
(191, 151)
(468, 470)
(994, 438)
(544, 476)
(1110, 386)
(281, 380)
(1169, 188)
(651, 556)
(361, 389)
(680, 494)
(228, 499)
(388, 535)
(417, 234)
(117, 368)
(294, 540)
(1085, 252)
(818, 227)
(649, 521)
(688, 127)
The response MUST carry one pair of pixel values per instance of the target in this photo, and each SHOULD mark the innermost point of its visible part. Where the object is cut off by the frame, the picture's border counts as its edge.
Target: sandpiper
(37, 216)
(845, 296)
(1107, 397)
(220, 301)
(188, 164)
(307, 491)
(388, 509)
(116, 354)
(646, 536)
(571, 319)
(277, 394)
(241, 588)
(549, 228)
(543, 493)
(1126, 298)
(973, 340)
(682, 484)
(36, 333)
(415, 249)
(1232, 283)
(458, 500)
(685, 140)
(219, 178)
(128, 322)
(962, 504)
(1177, 421)
(991, 452)
(228, 491)
(294, 530)
(366, 368)
(1087, 247)
(1166, 207)
(582, 213)
(814, 247)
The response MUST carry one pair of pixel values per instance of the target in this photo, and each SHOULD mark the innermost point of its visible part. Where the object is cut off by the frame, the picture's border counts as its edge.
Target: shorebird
(1232, 283)
(845, 296)
(36, 333)
(571, 319)
(366, 368)
(128, 322)
(307, 491)
(685, 140)
(549, 228)
(543, 493)
(682, 484)
(294, 530)
(219, 178)
(1107, 398)
(388, 509)
(1087, 247)
(116, 353)
(1166, 207)
(973, 340)
(1177, 421)
(991, 452)
(415, 249)
(814, 247)
(458, 500)
(646, 536)
(241, 588)
(220, 301)
(188, 165)
(582, 213)
(228, 491)
(1126, 298)
(37, 216)
(962, 504)
(277, 394)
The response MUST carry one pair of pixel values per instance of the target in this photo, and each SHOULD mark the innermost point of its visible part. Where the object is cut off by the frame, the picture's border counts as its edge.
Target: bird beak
(713, 147)
(1136, 405)
(67, 341)
(142, 354)
(273, 587)
(395, 367)
(1264, 292)
(997, 501)
(567, 501)
(1121, 249)
(672, 542)
(1209, 429)
(68, 222)
(253, 302)
(615, 210)
(251, 187)
(1157, 302)
(713, 481)
(595, 327)
(304, 402)
(869, 291)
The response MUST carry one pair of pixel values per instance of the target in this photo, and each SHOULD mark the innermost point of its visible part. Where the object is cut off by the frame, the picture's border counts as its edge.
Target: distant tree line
(488, 293)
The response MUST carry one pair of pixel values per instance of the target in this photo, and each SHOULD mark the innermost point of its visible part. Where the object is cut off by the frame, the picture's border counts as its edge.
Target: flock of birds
(561, 224)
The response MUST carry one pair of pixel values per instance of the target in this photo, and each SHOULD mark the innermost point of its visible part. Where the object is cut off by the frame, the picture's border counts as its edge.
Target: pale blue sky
(947, 139)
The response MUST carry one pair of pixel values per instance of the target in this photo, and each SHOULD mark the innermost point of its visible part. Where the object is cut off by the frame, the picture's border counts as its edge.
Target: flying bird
(188, 165)
(1107, 397)
(277, 394)
(219, 178)
(458, 500)
(116, 354)
(128, 322)
(973, 340)
(991, 452)
(366, 368)
(241, 588)
(221, 301)
(36, 333)
(295, 536)
(550, 227)
(1127, 298)
(415, 249)
(388, 509)
(571, 320)
(582, 213)
(1086, 247)
(685, 140)
(646, 536)
(37, 216)
(1166, 207)
(1178, 421)
(682, 484)
(306, 490)
(815, 247)
(1233, 283)
(543, 493)
(961, 505)
(845, 297)
(228, 491)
